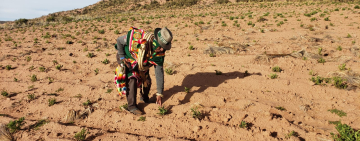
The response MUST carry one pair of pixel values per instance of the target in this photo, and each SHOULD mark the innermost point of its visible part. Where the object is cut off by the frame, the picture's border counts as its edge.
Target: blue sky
(11, 10)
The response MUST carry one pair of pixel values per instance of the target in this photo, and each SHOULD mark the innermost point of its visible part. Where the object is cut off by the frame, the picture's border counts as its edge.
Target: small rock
(304, 108)
(71, 54)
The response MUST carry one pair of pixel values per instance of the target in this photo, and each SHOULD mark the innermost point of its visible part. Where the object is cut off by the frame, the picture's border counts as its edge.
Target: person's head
(164, 37)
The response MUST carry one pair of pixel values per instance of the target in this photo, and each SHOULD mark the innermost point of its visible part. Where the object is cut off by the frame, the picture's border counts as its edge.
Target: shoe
(136, 111)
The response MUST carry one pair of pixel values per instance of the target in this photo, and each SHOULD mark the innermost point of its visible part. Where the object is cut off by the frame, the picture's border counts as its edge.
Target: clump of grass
(42, 69)
(55, 62)
(109, 91)
(78, 96)
(319, 80)
(59, 90)
(50, 80)
(162, 111)
(15, 125)
(346, 133)
(169, 71)
(292, 133)
(191, 47)
(125, 107)
(280, 108)
(142, 118)
(348, 36)
(87, 103)
(335, 122)
(195, 113)
(319, 51)
(58, 67)
(96, 71)
(28, 58)
(342, 67)
(243, 124)
(340, 113)
(80, 136)
(339, 48)
(8, 67)
(106, 61)
(40, 123)
(33, 78)
(90, 55)
(15, 79)
(276, 69)
(321, 60)
(52, 101)
(339, 83)
(217, 72)
(4, 93)
(212, 55)
(273, 76)
(187, 90)
(31, 96)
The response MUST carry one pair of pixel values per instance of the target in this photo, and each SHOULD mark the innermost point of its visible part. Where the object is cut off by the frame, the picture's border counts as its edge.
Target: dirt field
(239, 34)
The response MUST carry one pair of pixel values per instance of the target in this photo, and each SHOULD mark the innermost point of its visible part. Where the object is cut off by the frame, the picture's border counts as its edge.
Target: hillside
(240, 71)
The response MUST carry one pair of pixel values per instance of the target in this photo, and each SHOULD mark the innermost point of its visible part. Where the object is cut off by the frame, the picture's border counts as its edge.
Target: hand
(159, 100)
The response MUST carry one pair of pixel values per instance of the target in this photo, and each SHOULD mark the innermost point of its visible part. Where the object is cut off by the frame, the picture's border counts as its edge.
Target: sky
(11, 10)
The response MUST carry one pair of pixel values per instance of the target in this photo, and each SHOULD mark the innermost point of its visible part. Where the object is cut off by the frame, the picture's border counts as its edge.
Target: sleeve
(159, 74)
(121, 43)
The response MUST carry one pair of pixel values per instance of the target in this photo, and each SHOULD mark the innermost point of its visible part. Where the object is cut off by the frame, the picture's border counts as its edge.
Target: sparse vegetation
(33, 78)
(273, 76)
(217, 72)
(342, 67)
(31, 97)
(162, 111)
(14, 126)
(96, 71)
(4, 93)
(106, 61)
(109, 91)
(187, 90)
(339, 83)
(52, 101)
(90, 55)
(81, 136)
(346, 133)
(87, 103)
(195, 113)
(58, 67)
(142, 118)
(243, 124)
(292, 133)
(276, 69)
(280, 108)
(125, 107)
(40, 123)
(340, 113)
(169, 71)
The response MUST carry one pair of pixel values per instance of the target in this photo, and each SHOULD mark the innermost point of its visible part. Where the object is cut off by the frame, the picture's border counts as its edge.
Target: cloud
(15, 9)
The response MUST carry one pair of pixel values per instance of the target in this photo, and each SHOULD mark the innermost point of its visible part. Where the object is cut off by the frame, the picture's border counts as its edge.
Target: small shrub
(42, 69)
(107, 54)
(357, 7)
(162, 111)
(273, 76)
(106, 61)
(4, 93)
(15, 125)
(319, 51)
(276, 69)
(339, 48)
(59, 90)
(28, 58)
(212, 55)
(340, 113)
(346, 133)
(78, 96)
(195, 113)
(142, 118)
(90, 55)
(58, 67)
(40, 123)
(31, 96)
(15, 79)
(191, 47)
(8, 67)
(348, 36)
(50, 79)
(55, 62)
(52, 101)
(217, 72)
(80, 136)
(280, 108)
(101, 31)
(109, 91)
(327, 19)
(339, 83)
(33, 78)
(117, 32)
(243, 124)
(125, 106)
(169, 71)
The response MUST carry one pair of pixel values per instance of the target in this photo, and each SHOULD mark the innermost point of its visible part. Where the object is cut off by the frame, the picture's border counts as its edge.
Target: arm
(159, 74)
(121, 42)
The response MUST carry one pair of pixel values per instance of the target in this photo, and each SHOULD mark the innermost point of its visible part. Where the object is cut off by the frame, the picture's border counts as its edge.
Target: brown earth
(224, 100)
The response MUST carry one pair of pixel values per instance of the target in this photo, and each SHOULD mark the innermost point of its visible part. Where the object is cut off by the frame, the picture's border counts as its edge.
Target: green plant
(31, 87)
(102, 31)
(15, 79)
(96, 71)
(8, 67)
(321, 60)
(162, 111)
(55, 62)
(357, 7)
(342, 67)
(313, 19)
(15, 125)
(31, 96)
(33, 78)
(28, 58)
(280, 108)
(339, 48)
(78, 96)
(42, 69)
(243, 124)
(90, 55)
(212, 55)
(87, 103)
(80, 136)
(109, 91)
(107, 54)
(292, 133)
(141, 118)
(32, 68)
(346, 133)
(273, 76)
(125, 106)
(58, 67)
(217, 72)
(117, 31)
(69, 42)
(276, 69)
(52, 101)
(40, 123)
(335, 122)
(169, 71)
(4, 93)
(85, 49)
(348, 36)
(59, 90)
(327, 19)
(339, 83)
(340, 113)
(187, 90)
(50, 79)
(106, 61)
(195, 113)
(191, 47)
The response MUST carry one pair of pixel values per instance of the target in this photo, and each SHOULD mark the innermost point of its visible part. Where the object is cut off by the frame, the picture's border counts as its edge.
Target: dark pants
(131, 92)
